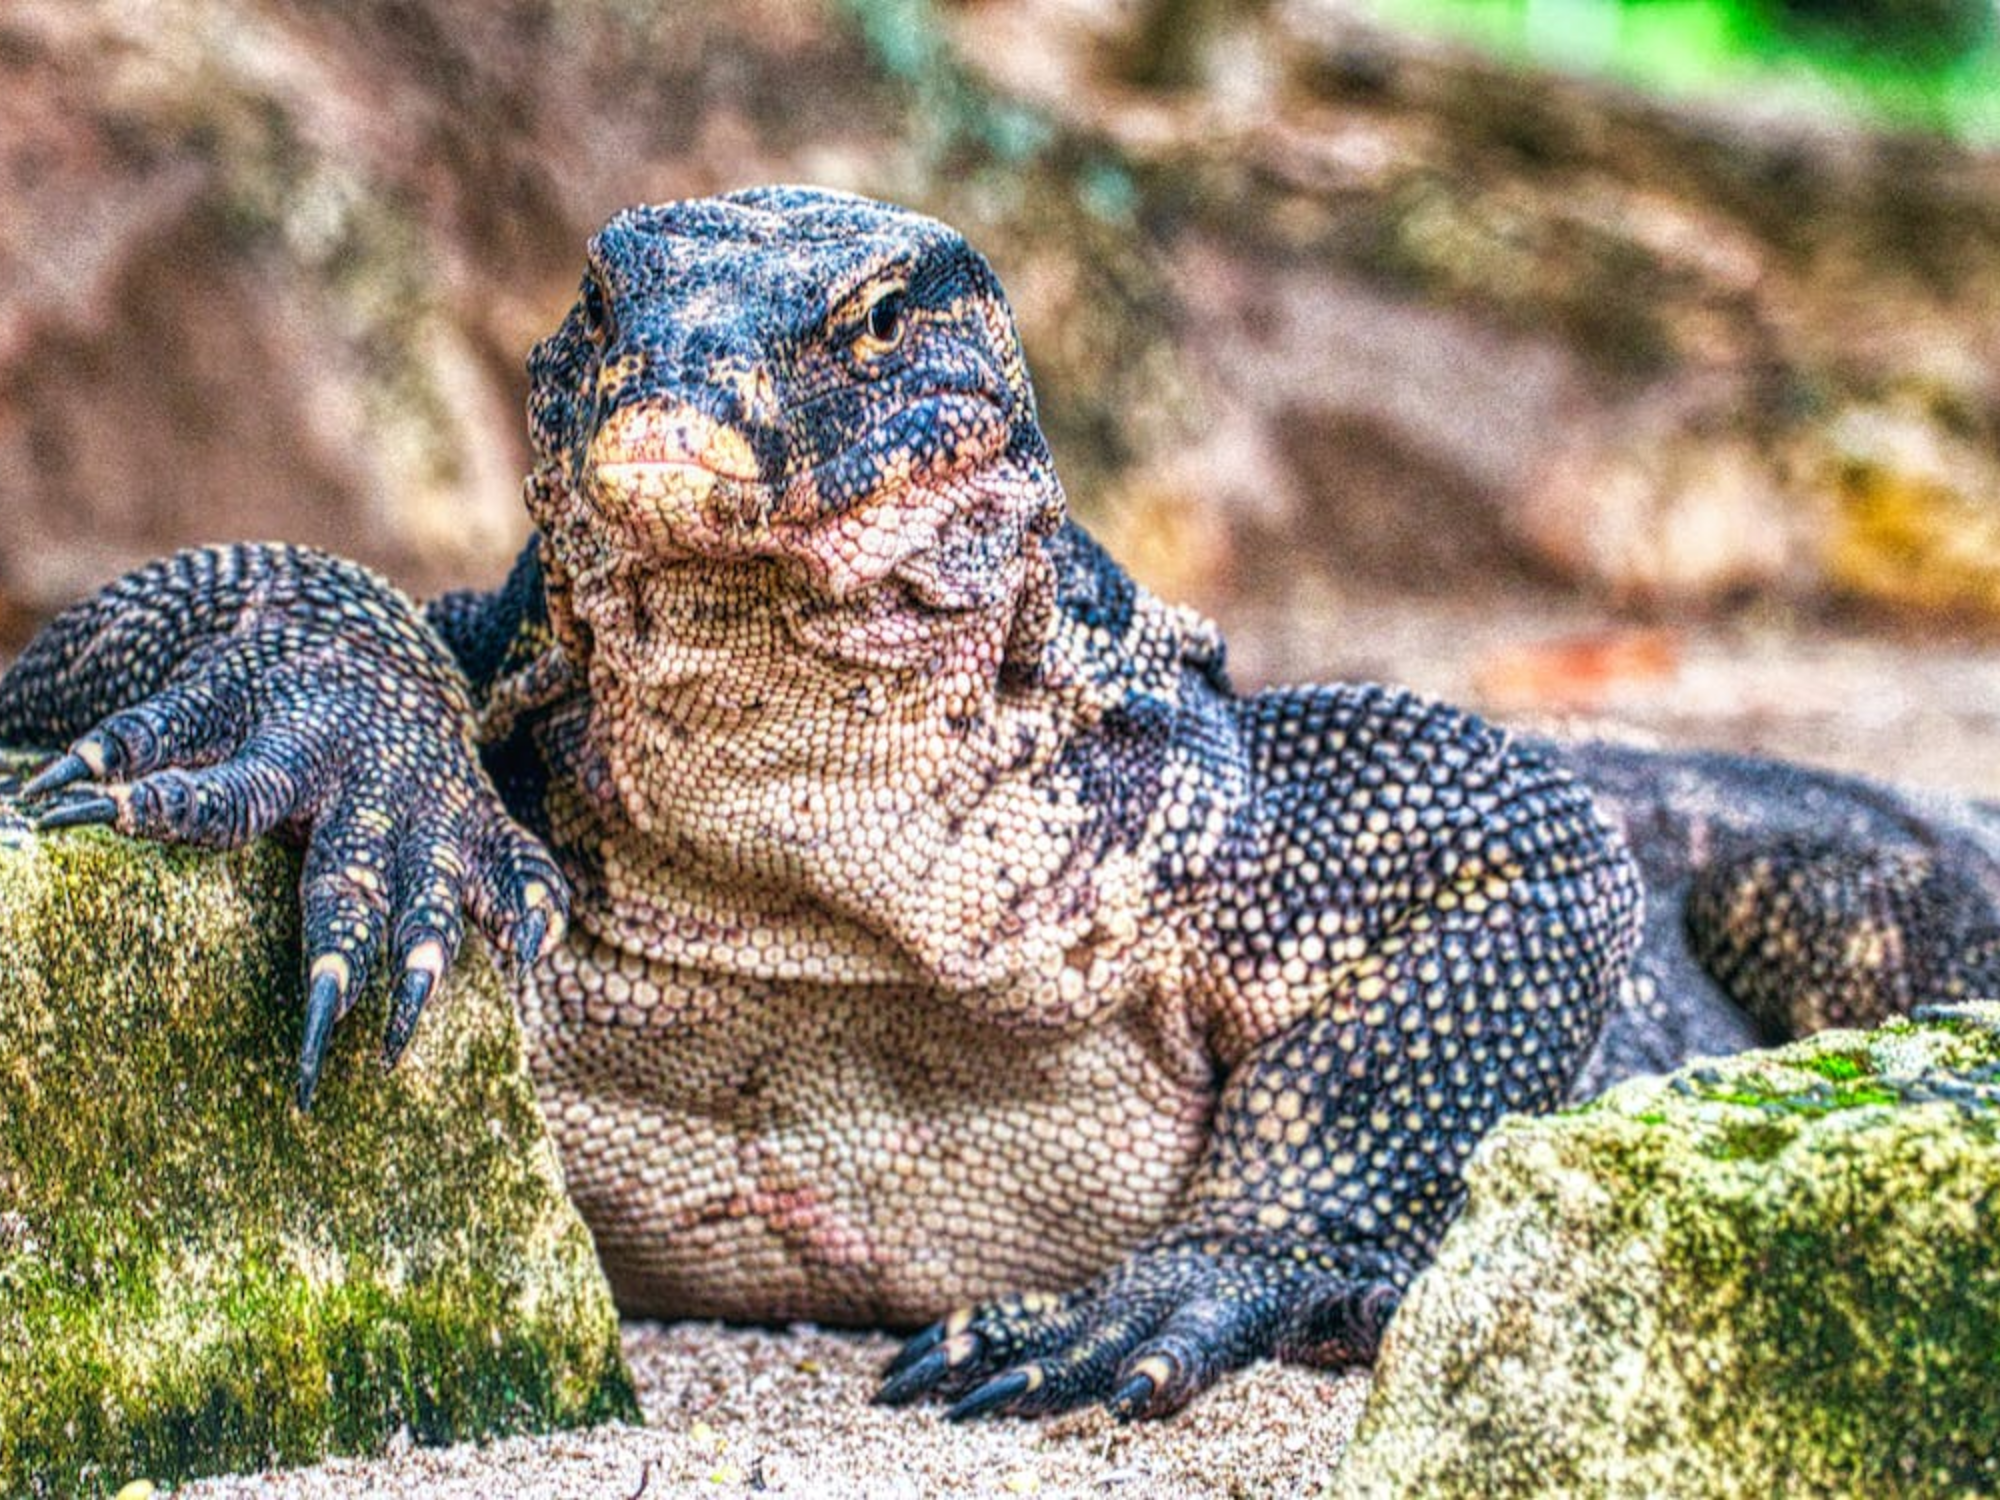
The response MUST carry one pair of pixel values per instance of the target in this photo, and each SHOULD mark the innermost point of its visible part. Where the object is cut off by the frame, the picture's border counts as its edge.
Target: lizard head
(796, 378)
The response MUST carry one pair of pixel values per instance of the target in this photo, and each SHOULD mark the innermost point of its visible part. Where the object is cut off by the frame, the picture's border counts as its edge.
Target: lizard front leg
(225, 692)
(1448, 955)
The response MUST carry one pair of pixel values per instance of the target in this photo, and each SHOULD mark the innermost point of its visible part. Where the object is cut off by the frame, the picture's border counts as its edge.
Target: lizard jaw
(674, 478)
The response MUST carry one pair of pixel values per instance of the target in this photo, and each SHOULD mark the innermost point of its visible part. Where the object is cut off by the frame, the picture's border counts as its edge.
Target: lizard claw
(411, 993)
(916, 1348)
(322, 1010)
(63, 771)
(77, 813)
(996, 1395)
(914, 1380)
(528, 938)
(1133, 1397)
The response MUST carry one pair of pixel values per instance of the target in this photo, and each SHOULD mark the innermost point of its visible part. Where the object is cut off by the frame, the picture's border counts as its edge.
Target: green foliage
(1918, 64)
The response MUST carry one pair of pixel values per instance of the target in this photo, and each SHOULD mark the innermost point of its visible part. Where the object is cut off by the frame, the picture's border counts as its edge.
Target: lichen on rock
(1776, 1274)
(194, 1276)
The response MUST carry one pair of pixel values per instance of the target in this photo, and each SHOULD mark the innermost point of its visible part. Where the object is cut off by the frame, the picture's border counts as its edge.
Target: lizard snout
(674, 474)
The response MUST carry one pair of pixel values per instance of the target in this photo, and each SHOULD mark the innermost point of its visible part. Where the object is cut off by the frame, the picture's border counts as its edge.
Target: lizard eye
(885, 324)
(598, 324)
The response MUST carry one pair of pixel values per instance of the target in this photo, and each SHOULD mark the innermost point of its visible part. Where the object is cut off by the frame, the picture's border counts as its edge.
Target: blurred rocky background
(1570, 357)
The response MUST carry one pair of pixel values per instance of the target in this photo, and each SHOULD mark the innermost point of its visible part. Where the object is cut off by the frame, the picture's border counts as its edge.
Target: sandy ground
(733, 1411)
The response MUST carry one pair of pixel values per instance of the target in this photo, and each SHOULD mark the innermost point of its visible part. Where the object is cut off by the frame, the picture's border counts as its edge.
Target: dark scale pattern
(1806, 934)
(1781, 900)
(492, 634)
(946, 931)
(1408, 929)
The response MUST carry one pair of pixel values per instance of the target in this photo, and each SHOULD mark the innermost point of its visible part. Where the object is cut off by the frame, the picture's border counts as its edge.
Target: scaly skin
(1781, 901)
(945, 930)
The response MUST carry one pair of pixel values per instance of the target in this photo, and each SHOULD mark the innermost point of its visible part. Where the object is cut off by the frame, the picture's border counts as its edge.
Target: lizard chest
(755, 1149)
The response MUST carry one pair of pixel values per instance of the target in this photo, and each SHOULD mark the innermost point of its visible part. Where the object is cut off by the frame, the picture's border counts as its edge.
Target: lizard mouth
(672, 437)
(680, 503)
(679, 484)
(674, 476)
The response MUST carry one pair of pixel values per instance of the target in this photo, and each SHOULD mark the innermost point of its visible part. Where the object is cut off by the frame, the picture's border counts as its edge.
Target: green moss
(194, 1277)
(1843, 1085)
(1840, 1067)
(1857, 1317)
(1750, 1140)
(1773, 1275)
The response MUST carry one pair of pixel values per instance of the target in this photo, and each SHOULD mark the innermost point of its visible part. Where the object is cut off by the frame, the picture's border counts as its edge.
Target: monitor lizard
(905, 912)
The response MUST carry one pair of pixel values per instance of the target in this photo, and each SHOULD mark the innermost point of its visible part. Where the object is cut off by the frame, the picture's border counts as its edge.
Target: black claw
(918, 1346)
(76, 814)
(411, 994)
(58, 774)
(1000, 1391)
(322, 1006)
(1132, 1397)
(913, 1380)
(528, 938)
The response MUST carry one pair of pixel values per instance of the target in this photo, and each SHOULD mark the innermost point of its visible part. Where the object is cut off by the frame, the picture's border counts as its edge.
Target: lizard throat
(731, 702)
(827, 790)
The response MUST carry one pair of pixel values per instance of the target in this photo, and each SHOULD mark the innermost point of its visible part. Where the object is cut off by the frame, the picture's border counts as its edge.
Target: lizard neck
(716, 689)
(860, 786)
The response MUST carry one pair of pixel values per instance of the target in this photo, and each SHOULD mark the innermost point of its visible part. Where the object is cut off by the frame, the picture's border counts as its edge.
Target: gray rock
(1776, 1275)
(194, 1277)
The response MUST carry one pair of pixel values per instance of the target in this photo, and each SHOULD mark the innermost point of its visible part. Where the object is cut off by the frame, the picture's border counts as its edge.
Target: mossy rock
(1774, 1275)
(197, 1278)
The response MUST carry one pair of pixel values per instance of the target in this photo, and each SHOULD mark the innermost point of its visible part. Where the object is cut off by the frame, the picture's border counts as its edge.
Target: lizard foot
(319, 707)
(1154, 1332)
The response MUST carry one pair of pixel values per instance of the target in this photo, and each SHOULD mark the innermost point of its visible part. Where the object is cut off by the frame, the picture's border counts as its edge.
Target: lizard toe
(345, 898)
(428, 930)
(1152, 1333)
(1002, 1392)
(1340, 1322)
(974, 1345)
(76, 809)
(515, 893)
(951, 1365)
